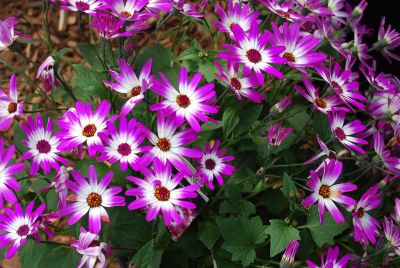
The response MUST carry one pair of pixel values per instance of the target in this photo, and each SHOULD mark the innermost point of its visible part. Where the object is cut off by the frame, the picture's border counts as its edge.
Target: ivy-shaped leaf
(281, 234)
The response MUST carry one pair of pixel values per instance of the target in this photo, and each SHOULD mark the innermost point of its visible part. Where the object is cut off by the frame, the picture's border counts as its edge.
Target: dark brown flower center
(332, 155)
(23, 230)
(340, 133)
(338, 89)
(89, 130)
(162, 193)
(12, 107)
(324, 191)
(321, 103)
(126, 13)
(253, 55)
(124, 149)
(183, 101)
(164, 144)
(94, 200)
(43, 146)
(360, 212)
(289, 56)
(210, 164)
(136, 91)
(95, 243)
(235, 83)
(82, 6)
(286, 15)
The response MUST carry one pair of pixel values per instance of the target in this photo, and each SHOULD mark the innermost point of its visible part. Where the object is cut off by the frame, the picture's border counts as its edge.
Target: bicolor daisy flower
(236, 14)
(42, 145)
(159, 193)
(392, 233)
(46, 74)
(168, 144)
(299, 45)
(339, 16)
(277, 134)
(382, 82)
(241, 86)
(365, 226)
(385, 103)
(7, 181)
(189, 102)
(345, 133)
(388, 39)
(81, 125)
(392, 163)
(91, 248)
(16, 226)
(156, 5)
(345, 88)
(123, 145)
(128, 10)
(322, 104)
(284, 10)
(126, 82)
(315, 7)
(10, 107)
(326, 192)
(60, 186)
(213, 165)
(91, 198)
(250, 50)
(283, 104)
(85, 6)
(108, 26)
(7, 32)
(331, 260)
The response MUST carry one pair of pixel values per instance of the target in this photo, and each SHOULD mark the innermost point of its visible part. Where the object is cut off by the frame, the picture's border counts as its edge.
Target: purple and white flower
(10, 107)
(277, 134)
(46, 74)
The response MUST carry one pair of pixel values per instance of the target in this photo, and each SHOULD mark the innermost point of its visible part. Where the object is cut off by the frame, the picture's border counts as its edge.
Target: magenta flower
(388, 39)
(325, 152)
(42, 145)
(7, 172)
(91, 248)
(339, 16)
(344, 87)
(242, 87)
(326, 192)
(392, 163)
(277, 134)
(82, 125)
(164, 5)
(108, 27)
(250, 50)
(128, 10)
(123, 145)
(365, 226)
(46, 74)
(331, 260)
(392, 233)
(345, 133)
(168, 145)
(382, 82)
(396, 214)
(322, 104)
(189, 9)
(387, 104)
(283, 104)
(91, 197)
(360, 48)
(126, 82)
(285, 10)
(236, 14)
(60, 186)
(158, 192)
(9, 105)
(7, 32)
(213, 165)
(299, 45)
(85, 6)
(289, 254)
(16, 226)
(315, 7)
(188, 101)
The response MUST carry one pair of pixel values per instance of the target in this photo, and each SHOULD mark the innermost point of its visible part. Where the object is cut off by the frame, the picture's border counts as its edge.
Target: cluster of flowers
(250, 55)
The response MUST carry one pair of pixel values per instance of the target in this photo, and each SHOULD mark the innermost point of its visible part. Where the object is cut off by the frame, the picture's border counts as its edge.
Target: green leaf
(238, 207)
(162, 58)
(94, 55)
(189, 54)
(289, 187)
(321, 126)
(281, 234)
(247, 117)
(229, 121)
(31, 253)
(209, 126)
(208, 234)
(89, 82)
(241, 236)
(208, 69)
(144, 257)
(60, 257)
(323, 234)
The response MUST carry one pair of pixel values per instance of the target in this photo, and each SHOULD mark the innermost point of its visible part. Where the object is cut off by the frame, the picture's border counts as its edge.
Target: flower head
(339, 16)
(396, 214)
(128, 10)
(85, 6)
(9, 105)
(156, 5)
(7, 182)
(284, 10)
(325, 152)
(92, 197)
(213, 165)
(159, 193)
(123, 145)
(16, 226)
(126, 82)
(326, 192)
(283, 104)
(60, 186)
(392, 163)
(42, 145)
(331, 260)
(345, 134)
(189, 102)
(382, 82)
(277, 134)
(108, 27)
(250, 49)
(388, 39)
(81, 125)
(46, 74)
(91, 248)
(392, 233)
(7, 32)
